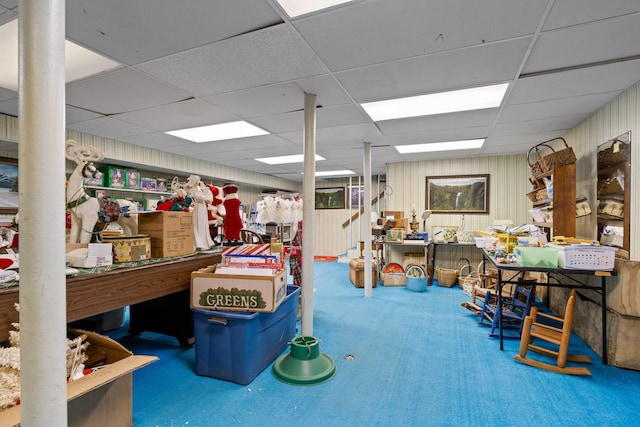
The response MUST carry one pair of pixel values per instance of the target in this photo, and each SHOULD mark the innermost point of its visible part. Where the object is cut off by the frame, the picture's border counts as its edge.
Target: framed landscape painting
(8, 185)
(458, 194)
(330, 198)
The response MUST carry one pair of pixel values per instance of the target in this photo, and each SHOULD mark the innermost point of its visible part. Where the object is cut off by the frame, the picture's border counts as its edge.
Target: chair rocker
(249, 237)
(559, 337)
(514, 310)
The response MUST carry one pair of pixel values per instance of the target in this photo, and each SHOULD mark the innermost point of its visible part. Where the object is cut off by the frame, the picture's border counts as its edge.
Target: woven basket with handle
(447, 277)
(545, 163)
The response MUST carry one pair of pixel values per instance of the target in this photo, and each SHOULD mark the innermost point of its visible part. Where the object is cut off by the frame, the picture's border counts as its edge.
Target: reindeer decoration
(86, 210)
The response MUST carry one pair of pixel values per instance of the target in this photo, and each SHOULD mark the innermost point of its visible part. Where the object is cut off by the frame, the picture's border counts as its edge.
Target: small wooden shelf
(132, 190)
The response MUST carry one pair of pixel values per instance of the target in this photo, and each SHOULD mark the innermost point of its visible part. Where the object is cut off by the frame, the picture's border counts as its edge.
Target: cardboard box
(103, 397)
(356, 273)
(393, 214)
(395, 235)
(394, 279)
(98, 255)
(149, 184)
(402, 223)
(133, 178)
(171, 232)
(236, 292)
(130, 248)
(115, 177)
(238, 346)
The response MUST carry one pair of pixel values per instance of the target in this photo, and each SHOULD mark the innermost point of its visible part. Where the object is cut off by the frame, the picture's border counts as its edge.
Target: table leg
(433, 264)
(499, 309)
(605, 356)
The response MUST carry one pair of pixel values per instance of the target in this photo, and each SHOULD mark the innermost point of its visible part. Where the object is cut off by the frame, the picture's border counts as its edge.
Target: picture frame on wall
(459, 194)
(330, 198)
(9, 195)
(356, 194)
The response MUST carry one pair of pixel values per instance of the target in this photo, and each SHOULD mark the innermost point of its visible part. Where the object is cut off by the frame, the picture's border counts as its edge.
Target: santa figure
(216, 210)
(232, 219)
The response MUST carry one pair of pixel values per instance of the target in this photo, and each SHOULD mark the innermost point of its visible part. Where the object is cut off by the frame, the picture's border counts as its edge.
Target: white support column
(366, 221)
(43, 306)
(308, 212)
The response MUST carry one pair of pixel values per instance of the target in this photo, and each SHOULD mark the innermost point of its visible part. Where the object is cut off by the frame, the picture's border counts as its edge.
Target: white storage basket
(586, 257)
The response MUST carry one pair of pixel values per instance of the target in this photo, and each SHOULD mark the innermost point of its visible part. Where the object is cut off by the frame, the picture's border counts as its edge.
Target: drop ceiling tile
(555, 107)
(107, 128)
(440, 135)
(566, 13)
(586, 44)
(178, 115)
(272, 55)
(328, 91)
(605, 78)
(74, 115)
(157, 140)
(464, 119)
(134, 32)
(260, 101)
(325, 117)
(375, 32)
(557, 124)
(490, 64)
(121, 91)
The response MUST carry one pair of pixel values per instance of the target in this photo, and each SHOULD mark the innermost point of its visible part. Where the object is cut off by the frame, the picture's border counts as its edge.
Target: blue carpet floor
(403, 359)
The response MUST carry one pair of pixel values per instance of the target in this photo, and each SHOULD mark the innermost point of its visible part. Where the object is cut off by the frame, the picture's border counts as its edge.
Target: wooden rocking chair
(532, 329)
(250, 237)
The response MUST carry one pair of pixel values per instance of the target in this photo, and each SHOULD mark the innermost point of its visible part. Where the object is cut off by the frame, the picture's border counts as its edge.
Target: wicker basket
(447, 277)
(545, 164)
(464, 271)
(616, 153)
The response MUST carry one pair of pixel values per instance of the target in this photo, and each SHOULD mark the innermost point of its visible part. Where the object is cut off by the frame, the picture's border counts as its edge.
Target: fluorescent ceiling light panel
(281, 160)
(79, 62)
(230, 130)
(437, 103)
(301, 7)
(440, 146)
(336, 173)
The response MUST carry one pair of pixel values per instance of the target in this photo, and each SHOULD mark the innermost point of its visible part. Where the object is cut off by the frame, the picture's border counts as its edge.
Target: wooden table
(93, 294)
(571, 280)
(382, 245)
(449, 244)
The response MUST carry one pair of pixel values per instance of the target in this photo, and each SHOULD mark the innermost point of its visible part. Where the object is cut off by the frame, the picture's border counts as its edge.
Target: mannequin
(232, 220)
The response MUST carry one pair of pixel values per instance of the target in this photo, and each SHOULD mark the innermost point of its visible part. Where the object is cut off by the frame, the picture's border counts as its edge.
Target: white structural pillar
(308, 212)
(43, 305)
(365, 221)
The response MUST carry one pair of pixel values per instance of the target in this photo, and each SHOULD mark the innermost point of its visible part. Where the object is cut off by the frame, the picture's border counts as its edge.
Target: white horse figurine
(85, 209)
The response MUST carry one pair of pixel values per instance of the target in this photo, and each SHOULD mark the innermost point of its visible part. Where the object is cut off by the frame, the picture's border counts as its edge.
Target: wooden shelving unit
(614, 191)
(563, 202)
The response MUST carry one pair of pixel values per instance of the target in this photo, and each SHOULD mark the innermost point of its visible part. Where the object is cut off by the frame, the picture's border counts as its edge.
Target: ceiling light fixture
(344, 172)
(301, 7)
(219, 132)
(79, 62)
(440, 146)
(281, 160)
(437, 103)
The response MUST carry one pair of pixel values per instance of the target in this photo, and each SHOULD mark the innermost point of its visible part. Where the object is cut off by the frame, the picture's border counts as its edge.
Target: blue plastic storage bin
(236, 346)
